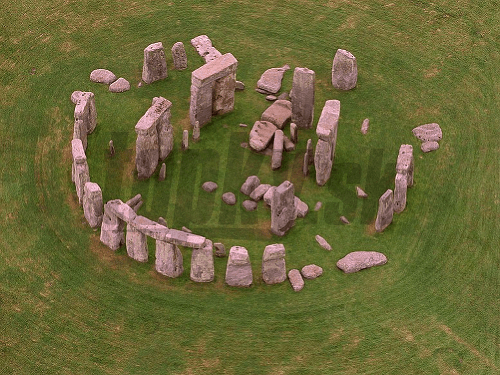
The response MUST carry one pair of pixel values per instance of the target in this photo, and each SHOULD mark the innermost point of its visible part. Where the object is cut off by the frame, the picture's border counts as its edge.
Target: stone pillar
(327, 134)
(344, 70)
(273, 264)
(310, 152)
(185, 140)
(168, 259)
(196, 131)
(385, 211)
(80, 169)
(400, 187)
(202, 264)
(283, 209)
(293, 133)
(80, 132)
(277, 149)
(405, 163)
(160, 113)
(239, 269)
(163, 172)
(93, 207)
(137, 243)
(155, 64)
(112, 230)
(305, 165)
(302, 97)
(85, 111)
(179, 56)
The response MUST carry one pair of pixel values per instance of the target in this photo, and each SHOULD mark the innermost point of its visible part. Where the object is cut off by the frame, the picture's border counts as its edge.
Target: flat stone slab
(365, 126)
(323, 243)
(120, 85)
(278, 113)
(209, 186)
(249, 205)
(102, 76)
(296, 280)
(271, 98)
(428, 132)
(358, 260)
(429, 146)
(259, 192)
(270, 80)
(229, 198)
(311, 271)
(261, 135)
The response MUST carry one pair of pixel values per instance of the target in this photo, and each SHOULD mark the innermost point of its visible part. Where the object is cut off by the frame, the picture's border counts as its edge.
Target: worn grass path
(68, 305)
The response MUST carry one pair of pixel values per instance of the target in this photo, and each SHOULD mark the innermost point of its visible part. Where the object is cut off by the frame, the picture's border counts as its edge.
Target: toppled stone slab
(209, 186)
(278, 113)
(301, 208)
(296, 280)
(229, 198)
(134, 202)
(220, 250)
(429, 146)
(179, 56)
(270, 80)
(360, 193)
(155, 63)
(239, 269)
(288, 145)
(323, 243)
(344, 70)
(273, 264)
(277, 156)
(120, 85)
(344, 220)
(261, 135)
(385, 211)
(258, 193)
(93, 207)
(428, 132)
(186, 229)
(168, 259)
(250, 184)
(311, 271)
(202, 264)
(302, 97)
(365, 126)
(283, 212)
(358, 260)
(102, 76)
(268, 196)
(249, 205)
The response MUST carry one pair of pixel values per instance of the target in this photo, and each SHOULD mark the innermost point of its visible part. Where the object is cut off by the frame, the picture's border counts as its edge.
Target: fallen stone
(93, 207)
(240, 86)
(277, 156)
(322, 242)
(273, 264)
(120, 85)
(344, 70)
(360, 193)
(179, 56)
(271, 98)
(358, 260)
(163, 172)
(260, 91)
(229, 198)
(268, 196)
(296, 280)
(220, 250)
(429, 146)
(365, 126)
(185, 140)
(102, 76)
(209, 186)
(243, 125)
(284, 96)
(283, 212)
(249, 205)
(318, 206)
(162, 221)
(300, 207)
(239, 269)
(344, 220)
(278, 113)
(202, 264)
(385, 211)
(428, 132)
(111, 148)
(305, 165)
(76, 96)
(134, 202)
(302, 97)
(311, 271)
(168, 259)
(270, 81)
(187, 230)
(261, 135)
(250, 184)
(155, 64)
(288, 145)
(258, 193)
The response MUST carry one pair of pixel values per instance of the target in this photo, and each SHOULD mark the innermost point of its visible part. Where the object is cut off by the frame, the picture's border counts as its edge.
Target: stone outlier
(273, 264)
(270, 81)
(293, 133)
(229, 198)
(212, 89)
(344, 70)
(303, 97)
(179, 56)
(120, 85)
(283, 209)
(311, 271)
(385, 211)
(365, 126)
(185, 140)
(277, 150)
(327, 134)
(358, 260)
(155, 64)
(102, 76)
(204, 47)
(239, 269)
(93, 207)
(344, 220)
(400, 188)
(209, 186)
(80, 169)
(155, 137)
(323, 243)
(305, 165)
(278, 113)
(428, 132)
(261, 135)
(137, 241)
(405, 163)
(202, 264)
(168, 260)
(250, 185)
(296, 280)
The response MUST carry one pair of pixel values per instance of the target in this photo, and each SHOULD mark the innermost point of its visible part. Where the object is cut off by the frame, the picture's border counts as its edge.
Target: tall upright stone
(293, 132)
(302, 97)
(405, 163)
(179, 56)
(80, 169)
(185, 140)
(385, 211)
(155, 64)
(344, 70)
(310, 152)
(85, 112)
(277, 150)
(400, 188)
(305, 165)
(196, 131)
(327, 134)
(273, 264)
(239, 269)
(168, 259)
(202, 264)
(283, 209)
(93, 207)
(112, 227)
(136, 240)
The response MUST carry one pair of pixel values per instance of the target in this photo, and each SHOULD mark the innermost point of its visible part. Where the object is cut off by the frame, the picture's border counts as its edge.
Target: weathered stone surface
(310, 151)
(85, 115)
(277, 149)
(305, 165)
(284, 96)
(268, 196)
(283, 209)
(293, 132)
(318, 206)
(428, 132)
(111, 148)
(250, 185)
(239, 86)
(344, 70)
(80, 132)
(120, 85)
(220, 250)
(360, 193)
(323, 161)
(162, 221)
(323, 243)
(168, 260)
(93, 207)
(229, 198)
(260, 91)
(344, 220)
(296, 280)
(429, 146)
(385, 211)
(358, 260)
(302, 97)
(328, 122)
(270, 80)
(249, 205)
(187, 230)
(271, 98)
(80, 169)
(301, 208)
(137, 244)
(102, 76)
(196, 131)
(209, 186)
(134, 202)
(181, 238)
(155, 64)
(239, 269)
(258, 193)
(179, 56)
(365, 126)
(311, 271)
(112, 230)
(185, 140)
(163, 172)
(278, 113)
(205, 49)
(288, 145)
(400, 188)
(261, 135)
(75, 96)
(273, 264)
(405, 162)
(202, 264)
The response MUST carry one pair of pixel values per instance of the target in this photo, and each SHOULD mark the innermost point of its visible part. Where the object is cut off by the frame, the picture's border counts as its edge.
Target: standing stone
(385, 211)
(296, 280)
(405, 163)
(85, 113)
(270, 80)
(305, 165)
(400, 187)
(179, 56)
(93, 207)
(169, 259)
(293, 133)
(273, 264)
(278, 113)
(137, 242)
(155, 64)
(80, 132)
(283, 209)
(239, 269)
(277, 150)
(205, 49)
(220, 250)
(250, 185)
(163, 172)
(202, 264)
(261, 135)
(196, 131)
(302, 96)
(112, 231)
(185, 140)
(310, 152)
(80, 169)
(111, 148)
(268, 196)
(365, 126)
(344, 70)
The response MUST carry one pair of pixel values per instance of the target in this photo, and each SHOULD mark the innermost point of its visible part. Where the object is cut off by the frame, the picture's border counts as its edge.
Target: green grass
(69, 305)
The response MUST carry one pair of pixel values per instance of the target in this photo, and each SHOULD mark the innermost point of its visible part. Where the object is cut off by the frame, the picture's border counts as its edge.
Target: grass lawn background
(69, 305)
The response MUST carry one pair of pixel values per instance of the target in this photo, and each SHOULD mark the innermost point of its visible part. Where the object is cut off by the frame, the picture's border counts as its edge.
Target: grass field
(69, 305)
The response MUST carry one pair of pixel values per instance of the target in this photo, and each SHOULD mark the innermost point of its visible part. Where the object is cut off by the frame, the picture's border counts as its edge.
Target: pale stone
(302, 97)
(80, 132)
(181, 238)
(250, 185)
(102, 76)
(155, 64)
(428, 132)
(305, 165)
(179, 56)
(261, 135)
(75, 96)
(202, 264)
(283, 209)
(385, 211)
(278, 113)
(85, 115)
(229, 198)
(311, 271)
(344, 220)
(288, 145)
(405, 163)
(120, 85)
(365, 126)
(134, 202)
(429, 146)
(239, 86)
(243, 125)
(112, 230)
(187, 230)
(169, 260)
(249, 205)
(205, 49)
(111, 148)
(163, 172)
(239, 269)
(258, 193)
(344, 70)
(360, 193)
(358, 260)
(271, 98)
(137, 244)
(296, 280)
(220, 250)
(277, 150)
(268, 196)
(326, 131)
(318, 206)
(209, 186)
(323, 243)
(273, 264)
(270, 80)
(80, 169)
(323, 161)
(293, 133)
(196, 131)
(93, 207)
(400, 188)
(300, 207)
(185, 140)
